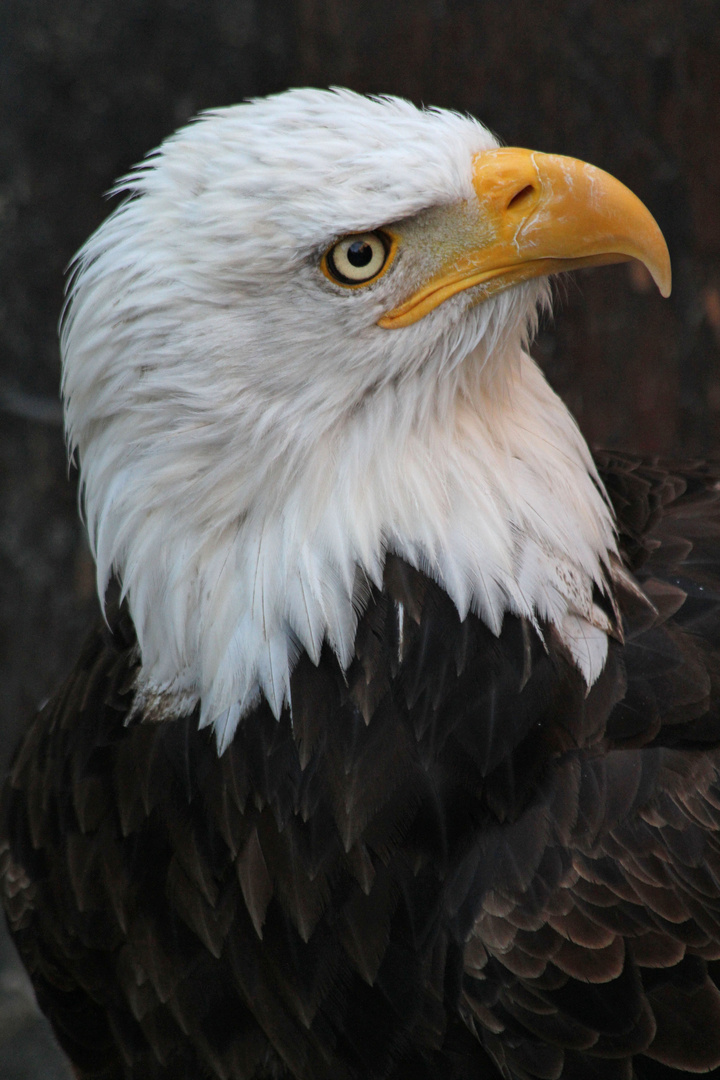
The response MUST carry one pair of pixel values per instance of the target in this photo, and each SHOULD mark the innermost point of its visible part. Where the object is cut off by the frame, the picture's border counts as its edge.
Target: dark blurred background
(87, 87)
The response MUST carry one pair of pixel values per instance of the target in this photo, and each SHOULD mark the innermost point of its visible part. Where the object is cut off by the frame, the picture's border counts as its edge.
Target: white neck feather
(494, 495)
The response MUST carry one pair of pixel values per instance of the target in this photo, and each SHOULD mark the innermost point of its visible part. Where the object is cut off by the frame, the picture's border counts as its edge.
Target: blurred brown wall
(88, 86)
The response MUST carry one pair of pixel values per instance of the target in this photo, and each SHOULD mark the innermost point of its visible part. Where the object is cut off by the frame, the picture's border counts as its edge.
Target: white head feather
(251, 442)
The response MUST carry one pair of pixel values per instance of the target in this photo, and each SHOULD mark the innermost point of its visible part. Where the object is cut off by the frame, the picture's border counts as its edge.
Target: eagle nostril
(521, 196)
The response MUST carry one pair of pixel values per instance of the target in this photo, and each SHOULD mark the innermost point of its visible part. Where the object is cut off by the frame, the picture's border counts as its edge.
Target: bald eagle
(396, 753)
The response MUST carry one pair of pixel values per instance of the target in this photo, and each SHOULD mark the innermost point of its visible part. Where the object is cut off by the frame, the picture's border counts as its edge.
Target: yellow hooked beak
(539, 214)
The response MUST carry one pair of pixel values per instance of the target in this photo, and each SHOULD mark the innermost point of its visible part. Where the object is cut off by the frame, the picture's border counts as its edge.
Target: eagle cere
(396, 753)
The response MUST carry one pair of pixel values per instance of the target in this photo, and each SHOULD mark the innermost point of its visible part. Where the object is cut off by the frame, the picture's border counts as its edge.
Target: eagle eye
(357, 259)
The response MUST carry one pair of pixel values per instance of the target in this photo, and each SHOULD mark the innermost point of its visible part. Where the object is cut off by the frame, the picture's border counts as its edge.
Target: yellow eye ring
(358, 259)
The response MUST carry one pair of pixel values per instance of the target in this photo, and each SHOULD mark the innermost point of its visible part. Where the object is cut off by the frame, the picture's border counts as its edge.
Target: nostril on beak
(521, 197)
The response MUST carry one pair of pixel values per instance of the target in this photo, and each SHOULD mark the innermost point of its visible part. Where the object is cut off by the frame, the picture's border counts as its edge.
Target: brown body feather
(450, 862)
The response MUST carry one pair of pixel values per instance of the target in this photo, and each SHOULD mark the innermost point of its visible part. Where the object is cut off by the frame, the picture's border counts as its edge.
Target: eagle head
(300, 343)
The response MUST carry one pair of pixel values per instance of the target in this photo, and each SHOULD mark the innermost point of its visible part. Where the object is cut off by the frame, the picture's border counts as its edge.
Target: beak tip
(656, 258)
(662, 270)
(663, 279)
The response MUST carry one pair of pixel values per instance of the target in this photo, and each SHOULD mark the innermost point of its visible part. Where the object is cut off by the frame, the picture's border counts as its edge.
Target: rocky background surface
(89, 86)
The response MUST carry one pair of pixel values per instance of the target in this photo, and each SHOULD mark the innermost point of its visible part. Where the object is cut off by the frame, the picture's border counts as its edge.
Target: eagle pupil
(359, 253)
